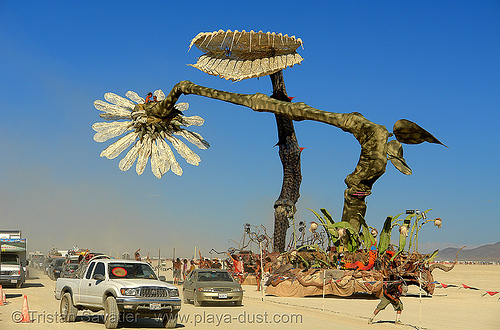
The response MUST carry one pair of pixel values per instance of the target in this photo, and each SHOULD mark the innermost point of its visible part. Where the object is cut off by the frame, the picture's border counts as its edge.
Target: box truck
(13, 263)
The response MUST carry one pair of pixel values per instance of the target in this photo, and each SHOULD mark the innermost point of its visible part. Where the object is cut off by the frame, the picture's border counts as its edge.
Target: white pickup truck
(122, 288)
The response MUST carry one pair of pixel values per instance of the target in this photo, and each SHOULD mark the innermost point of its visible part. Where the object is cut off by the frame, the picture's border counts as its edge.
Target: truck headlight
(15, 272)
(129, 291)
(173, 293)
(237, 289)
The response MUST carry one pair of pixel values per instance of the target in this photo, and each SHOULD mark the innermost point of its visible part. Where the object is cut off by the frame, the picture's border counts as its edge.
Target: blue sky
(435, 63)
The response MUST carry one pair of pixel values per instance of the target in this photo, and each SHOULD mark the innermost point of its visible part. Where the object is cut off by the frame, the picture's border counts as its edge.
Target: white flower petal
(106, 131)
(164, 153)
(156, 165)
(134, 97)
(118, 100)
(194, 138)
(174, 165)
(144, 153)
(162, 157)
(116, 148)
(183, 150)
(183, 106)
(192, 120)
(129, 159)
(112, 111)
(159, 94)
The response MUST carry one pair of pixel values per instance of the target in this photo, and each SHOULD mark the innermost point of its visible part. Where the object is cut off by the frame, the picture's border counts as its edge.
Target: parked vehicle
(36, 260)
(69, 270)
(13, 263)
(48, 263)
(70, 265)
(118, 287)
(211, 285)
(56, 268)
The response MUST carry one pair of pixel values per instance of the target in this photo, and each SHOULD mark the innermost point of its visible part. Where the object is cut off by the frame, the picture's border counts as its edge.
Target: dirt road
(459, 309)
(254, 313)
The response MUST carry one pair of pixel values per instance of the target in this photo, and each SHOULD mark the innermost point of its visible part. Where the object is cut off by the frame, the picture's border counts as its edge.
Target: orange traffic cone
(25, 311)
(2, 295)
(4, 298)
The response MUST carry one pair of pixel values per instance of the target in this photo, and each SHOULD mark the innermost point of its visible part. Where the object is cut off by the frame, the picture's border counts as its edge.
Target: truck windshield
(10, 259)
(130, 270)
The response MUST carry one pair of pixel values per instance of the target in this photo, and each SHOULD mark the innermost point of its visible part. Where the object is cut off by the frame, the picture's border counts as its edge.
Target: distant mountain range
(489, 252)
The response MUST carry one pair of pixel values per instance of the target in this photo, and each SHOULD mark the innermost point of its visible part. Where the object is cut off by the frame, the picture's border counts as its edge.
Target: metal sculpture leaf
(235, 55)
(395, 155)
(410, 133)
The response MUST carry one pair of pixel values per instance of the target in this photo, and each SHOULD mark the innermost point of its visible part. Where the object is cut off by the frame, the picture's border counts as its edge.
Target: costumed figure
(359, 265)
(391, 295)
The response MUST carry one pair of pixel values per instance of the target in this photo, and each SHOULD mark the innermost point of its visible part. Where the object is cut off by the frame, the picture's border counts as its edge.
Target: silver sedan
(211, 285)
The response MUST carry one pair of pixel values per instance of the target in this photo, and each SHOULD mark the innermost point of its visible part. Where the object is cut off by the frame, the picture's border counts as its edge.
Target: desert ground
(449, 308)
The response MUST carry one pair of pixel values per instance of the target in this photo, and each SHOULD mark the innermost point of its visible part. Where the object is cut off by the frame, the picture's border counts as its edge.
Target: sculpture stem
(289, 152)
(372, 137)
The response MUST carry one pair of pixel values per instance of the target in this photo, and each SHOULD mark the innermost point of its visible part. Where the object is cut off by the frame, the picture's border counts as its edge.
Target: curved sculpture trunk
(289, 153)
(372, 137)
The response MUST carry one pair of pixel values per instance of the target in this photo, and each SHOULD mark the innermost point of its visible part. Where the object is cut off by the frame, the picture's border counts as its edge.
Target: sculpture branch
(372, 137)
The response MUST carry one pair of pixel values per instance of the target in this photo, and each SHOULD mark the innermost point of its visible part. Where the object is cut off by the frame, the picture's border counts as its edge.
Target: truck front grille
(153, 292)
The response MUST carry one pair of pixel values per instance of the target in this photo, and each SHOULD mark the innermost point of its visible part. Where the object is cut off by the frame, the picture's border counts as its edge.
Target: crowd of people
(234, 263)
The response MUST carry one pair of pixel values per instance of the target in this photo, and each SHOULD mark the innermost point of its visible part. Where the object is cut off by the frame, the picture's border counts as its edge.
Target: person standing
(258, 273)
(192, 267)
(238, 267)
(177, 265)
(391, 295)
(216, 264)
(184, 269)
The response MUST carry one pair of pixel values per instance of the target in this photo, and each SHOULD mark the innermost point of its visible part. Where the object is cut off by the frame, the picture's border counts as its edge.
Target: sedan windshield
(130, 270)
(214, 276)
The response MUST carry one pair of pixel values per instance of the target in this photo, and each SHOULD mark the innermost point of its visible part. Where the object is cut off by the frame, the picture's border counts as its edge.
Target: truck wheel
(195, 301)
(170, 320)
(238, 303)
(111, 313)
(67, 309)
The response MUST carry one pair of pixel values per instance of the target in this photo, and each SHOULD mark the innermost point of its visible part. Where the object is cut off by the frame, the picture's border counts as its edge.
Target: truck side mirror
(162, 278)
(99, 277)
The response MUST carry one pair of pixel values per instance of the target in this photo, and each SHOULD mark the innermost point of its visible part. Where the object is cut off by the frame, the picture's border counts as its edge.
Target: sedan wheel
(196, 302)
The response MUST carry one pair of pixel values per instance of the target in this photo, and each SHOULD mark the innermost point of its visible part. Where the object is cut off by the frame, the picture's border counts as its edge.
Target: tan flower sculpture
(237, 55)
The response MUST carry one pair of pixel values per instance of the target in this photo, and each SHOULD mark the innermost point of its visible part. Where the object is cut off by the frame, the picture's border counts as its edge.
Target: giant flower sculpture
(148, 135)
